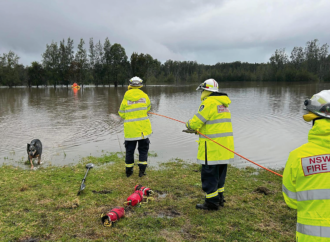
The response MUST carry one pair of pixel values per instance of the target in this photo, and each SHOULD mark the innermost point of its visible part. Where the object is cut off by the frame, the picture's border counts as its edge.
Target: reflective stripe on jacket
(306, 184)
(214, 120)
(134, 109)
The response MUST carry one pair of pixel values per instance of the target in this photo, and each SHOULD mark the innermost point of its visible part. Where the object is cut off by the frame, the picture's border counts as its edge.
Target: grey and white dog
(34, 150)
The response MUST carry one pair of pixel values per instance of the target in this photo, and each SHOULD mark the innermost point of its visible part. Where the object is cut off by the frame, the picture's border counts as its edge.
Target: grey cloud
(203, 31)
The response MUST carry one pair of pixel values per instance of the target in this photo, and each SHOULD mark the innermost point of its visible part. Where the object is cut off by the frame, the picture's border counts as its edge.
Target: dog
(34, 150)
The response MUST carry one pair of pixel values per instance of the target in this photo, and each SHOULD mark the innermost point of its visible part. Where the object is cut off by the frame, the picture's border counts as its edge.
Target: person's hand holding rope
(189, 131)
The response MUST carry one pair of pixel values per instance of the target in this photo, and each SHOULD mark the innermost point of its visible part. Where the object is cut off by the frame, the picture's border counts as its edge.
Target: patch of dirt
(29, 240)
(171, 236)
(102, 191)
(69, 205)
(129, 210)
(187, 231)
(169, 213)
(263, 190)
(44, 201)
(161, 194)
(23, 188)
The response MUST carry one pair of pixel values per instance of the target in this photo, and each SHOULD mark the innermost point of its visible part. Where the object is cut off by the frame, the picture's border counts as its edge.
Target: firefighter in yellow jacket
(137, 127)
(213, 119)
(306, 178)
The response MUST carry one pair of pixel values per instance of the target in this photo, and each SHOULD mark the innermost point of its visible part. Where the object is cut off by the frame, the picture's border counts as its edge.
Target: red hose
(222, 146)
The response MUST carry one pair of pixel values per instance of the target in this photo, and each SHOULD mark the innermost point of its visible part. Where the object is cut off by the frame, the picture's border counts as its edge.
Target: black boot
(222, 199)
(129, 171)
(142, 173)
(207, 206)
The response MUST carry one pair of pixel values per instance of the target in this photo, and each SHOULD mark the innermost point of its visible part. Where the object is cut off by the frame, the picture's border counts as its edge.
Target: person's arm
(289, 181)
(199, 118)
(122, 108)
(148, 104)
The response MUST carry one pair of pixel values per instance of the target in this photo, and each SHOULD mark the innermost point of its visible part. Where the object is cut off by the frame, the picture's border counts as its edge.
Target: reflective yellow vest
(214, 120)
(306, 184)
(134, 109)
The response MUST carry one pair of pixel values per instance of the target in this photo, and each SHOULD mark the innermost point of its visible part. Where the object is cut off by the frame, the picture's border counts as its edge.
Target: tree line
(108, 64)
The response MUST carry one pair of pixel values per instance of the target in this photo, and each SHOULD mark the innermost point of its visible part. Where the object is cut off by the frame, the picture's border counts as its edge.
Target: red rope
(222, 146)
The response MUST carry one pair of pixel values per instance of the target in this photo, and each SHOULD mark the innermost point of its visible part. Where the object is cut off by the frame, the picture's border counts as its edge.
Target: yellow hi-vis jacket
(134, 109)
(214, 120)
(306, 184)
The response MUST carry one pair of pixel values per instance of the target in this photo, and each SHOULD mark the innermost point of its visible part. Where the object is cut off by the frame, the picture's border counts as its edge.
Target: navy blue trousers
(213, 181)
(143, 149)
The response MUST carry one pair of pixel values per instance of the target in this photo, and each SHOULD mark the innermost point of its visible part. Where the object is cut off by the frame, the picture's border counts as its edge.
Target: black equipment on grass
(82, 186)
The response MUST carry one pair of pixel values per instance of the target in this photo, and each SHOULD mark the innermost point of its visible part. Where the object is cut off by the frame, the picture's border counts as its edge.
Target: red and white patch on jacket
(315, 164)
(141, 100)
(223, 109)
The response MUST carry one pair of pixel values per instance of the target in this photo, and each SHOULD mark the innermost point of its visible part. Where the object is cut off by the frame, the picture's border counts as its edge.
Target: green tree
(81, 62)
(137, 65)
(142, 66)
(297, 57)
(36, 74)
(92, 57)
(70, 56)
(279, 59)
(324, 63)
(51, 62)
(107, 59)
(66, 56)
(22, 75)
(64, 64)
(119, 63)
(9, 69)
(277, 63)
(312, 55)
(152, 68)
(99, 64)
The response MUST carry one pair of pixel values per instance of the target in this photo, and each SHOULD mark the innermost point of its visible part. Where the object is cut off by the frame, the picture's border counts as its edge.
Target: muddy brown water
(267, 122)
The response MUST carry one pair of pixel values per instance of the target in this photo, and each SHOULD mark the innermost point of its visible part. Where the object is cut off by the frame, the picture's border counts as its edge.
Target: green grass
(43, 204)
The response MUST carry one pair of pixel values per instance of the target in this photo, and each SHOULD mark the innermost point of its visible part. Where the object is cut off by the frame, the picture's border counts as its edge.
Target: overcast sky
(204, 31)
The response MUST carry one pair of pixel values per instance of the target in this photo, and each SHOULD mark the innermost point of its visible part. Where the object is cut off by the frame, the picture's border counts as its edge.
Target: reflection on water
(267, 122)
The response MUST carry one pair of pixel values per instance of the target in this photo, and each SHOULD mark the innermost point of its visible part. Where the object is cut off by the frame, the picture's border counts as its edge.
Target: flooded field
(267, 122)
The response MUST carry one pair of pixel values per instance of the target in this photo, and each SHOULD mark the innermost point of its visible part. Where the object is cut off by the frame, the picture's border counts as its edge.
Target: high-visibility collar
(320, 133)
(131, 87)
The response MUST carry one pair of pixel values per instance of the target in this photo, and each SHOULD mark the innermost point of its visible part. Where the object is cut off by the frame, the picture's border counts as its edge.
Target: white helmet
(209, 85)
(135, 82)
(319, 104)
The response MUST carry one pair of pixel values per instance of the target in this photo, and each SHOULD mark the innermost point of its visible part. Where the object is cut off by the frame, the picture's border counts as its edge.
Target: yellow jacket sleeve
(122, 108)
(149, 104)
(199, 118)
(289, 181)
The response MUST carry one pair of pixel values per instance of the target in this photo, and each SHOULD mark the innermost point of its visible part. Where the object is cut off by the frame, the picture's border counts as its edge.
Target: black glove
(189, 131)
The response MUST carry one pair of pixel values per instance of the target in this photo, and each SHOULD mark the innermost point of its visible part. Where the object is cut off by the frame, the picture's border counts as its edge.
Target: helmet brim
(212, 88)
(206, 89)
(321, 112)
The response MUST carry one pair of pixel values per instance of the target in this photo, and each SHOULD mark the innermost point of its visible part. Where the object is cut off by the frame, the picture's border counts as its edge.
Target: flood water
(267, 122)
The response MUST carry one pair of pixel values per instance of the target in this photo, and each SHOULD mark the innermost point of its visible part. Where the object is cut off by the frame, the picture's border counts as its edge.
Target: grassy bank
(43, 205)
